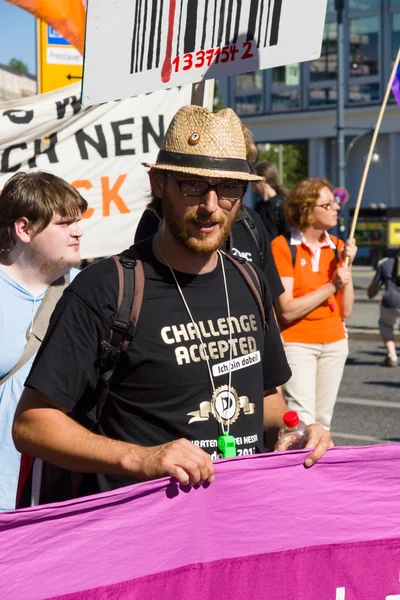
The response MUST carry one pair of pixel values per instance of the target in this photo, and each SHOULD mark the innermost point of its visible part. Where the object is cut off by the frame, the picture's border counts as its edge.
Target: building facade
(15, 85)
(297, 103)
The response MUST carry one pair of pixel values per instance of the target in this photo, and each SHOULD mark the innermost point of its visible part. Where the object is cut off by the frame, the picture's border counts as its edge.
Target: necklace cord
(197, 329)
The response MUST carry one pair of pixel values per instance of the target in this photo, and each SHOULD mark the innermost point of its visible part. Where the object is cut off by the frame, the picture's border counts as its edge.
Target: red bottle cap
(291, 418)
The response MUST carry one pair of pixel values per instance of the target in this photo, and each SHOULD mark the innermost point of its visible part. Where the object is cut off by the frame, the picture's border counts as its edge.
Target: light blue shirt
(17, 310)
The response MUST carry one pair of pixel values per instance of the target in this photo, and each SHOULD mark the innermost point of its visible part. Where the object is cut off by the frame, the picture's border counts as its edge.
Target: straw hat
(203, 143)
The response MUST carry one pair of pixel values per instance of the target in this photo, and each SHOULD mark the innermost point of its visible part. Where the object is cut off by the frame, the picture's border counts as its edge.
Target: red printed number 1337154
(224, 54)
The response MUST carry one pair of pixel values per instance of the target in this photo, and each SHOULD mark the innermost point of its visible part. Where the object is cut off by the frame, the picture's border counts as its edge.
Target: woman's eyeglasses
(328, 205)
(225, 190)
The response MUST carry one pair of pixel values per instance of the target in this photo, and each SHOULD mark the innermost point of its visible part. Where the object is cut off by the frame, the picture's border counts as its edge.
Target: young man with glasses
(318, 297)
(202, 369)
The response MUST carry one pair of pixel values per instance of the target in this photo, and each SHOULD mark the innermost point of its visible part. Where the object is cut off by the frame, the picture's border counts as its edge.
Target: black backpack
(254, 233)
(55, 483)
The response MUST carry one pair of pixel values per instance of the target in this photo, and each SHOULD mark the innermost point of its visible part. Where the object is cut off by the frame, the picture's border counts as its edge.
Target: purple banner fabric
(396, 85)
(266, 528)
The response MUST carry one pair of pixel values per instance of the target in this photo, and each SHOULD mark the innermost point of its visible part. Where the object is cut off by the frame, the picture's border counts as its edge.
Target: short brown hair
(302, 199)
(35, 196)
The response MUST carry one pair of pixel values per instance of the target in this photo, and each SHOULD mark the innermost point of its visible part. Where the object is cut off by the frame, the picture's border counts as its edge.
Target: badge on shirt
(225, 406)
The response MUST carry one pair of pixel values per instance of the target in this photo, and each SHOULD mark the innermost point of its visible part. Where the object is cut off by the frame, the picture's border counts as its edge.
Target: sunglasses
(225, 190)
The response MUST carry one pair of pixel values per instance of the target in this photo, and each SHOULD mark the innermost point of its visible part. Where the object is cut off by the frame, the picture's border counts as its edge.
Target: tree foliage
(18, 66)
(295, 161)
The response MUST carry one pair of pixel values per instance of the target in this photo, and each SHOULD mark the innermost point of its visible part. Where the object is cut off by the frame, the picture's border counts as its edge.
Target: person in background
(388, 275)
(39, 245)
(272, 195)
(318, 296)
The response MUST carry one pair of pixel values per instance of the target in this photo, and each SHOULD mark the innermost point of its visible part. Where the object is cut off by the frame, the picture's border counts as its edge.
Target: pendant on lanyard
(227, 445)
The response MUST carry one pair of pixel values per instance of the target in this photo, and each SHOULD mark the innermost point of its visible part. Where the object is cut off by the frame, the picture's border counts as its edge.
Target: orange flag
(67, 17)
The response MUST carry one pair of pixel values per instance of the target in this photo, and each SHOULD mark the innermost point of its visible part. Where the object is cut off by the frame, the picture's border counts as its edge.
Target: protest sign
(134, 47)
(98, 150)
(265, 528)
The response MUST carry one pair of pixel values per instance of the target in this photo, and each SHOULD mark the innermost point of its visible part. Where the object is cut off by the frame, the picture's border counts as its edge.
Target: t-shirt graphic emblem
(224, 405)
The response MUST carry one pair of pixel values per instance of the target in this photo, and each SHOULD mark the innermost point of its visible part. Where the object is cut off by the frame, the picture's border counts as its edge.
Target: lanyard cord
(197, 329)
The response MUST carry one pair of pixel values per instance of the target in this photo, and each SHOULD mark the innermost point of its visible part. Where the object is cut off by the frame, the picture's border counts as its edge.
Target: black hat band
(178, 159)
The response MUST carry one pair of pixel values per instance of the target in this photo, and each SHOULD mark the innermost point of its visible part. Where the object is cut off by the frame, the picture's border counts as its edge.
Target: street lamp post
(340, 141)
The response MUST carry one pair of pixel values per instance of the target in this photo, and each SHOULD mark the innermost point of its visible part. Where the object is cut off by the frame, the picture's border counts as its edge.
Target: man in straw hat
(199, 379)
(248, 239)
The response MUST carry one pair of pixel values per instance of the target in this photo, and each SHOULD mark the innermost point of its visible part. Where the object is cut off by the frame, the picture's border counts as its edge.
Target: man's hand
(180, 459)
(320, 439)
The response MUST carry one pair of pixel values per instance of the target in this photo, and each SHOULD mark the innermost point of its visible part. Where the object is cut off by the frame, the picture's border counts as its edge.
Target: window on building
(324, 68)
(331, 6)
(287, 75)
(249, 93)
(364, 4)
(249, 105)
(324, 96)
(364, 46)
(285, 88)
(364, 93)
(249, 81)
(395, 34)
(285, 100)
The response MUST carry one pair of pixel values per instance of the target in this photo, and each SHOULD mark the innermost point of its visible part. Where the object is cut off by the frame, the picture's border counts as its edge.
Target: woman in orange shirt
(318, 296)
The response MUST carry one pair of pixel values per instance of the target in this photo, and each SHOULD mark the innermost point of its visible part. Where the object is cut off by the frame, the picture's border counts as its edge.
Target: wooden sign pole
(203, 93)
(372, 147)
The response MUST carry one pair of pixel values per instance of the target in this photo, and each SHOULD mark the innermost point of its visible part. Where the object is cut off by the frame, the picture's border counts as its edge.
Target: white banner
(98, 150)
(158, 44)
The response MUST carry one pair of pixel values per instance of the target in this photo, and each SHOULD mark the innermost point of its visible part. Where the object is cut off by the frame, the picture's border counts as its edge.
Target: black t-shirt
(273, 216)
(240, 243)
(161, 389)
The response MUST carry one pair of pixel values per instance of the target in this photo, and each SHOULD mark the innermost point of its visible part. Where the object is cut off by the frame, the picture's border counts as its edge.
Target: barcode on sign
(164, 30)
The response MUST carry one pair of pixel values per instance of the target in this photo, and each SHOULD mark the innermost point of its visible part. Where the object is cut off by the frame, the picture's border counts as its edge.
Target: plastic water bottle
(294, 434)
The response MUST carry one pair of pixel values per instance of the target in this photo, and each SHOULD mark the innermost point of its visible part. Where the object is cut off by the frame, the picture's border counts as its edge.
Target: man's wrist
(132, 459)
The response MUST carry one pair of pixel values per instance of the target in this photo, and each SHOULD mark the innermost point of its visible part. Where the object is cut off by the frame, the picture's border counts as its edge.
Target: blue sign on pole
(55, 39)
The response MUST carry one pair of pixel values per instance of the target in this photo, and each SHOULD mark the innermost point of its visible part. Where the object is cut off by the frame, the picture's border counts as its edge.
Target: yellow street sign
(59, 63)
(394, 234)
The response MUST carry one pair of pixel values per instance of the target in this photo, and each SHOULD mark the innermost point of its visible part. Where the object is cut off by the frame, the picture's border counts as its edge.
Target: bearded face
(200, 224)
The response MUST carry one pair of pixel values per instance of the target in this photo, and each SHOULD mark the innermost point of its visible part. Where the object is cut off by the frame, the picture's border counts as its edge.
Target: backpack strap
(250, 275)
(251, 228)
(36, 332)
(335, 249)
(292, 247)
(278, 220)
(130, 297)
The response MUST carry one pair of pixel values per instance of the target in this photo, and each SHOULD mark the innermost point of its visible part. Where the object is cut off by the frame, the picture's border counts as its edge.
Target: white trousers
(317, 371)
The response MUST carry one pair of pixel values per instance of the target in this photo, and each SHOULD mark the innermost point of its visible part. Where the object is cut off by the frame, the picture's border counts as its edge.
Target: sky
(18, 36)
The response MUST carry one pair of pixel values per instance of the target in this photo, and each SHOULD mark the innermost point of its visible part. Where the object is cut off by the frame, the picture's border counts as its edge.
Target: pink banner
(266, 528)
